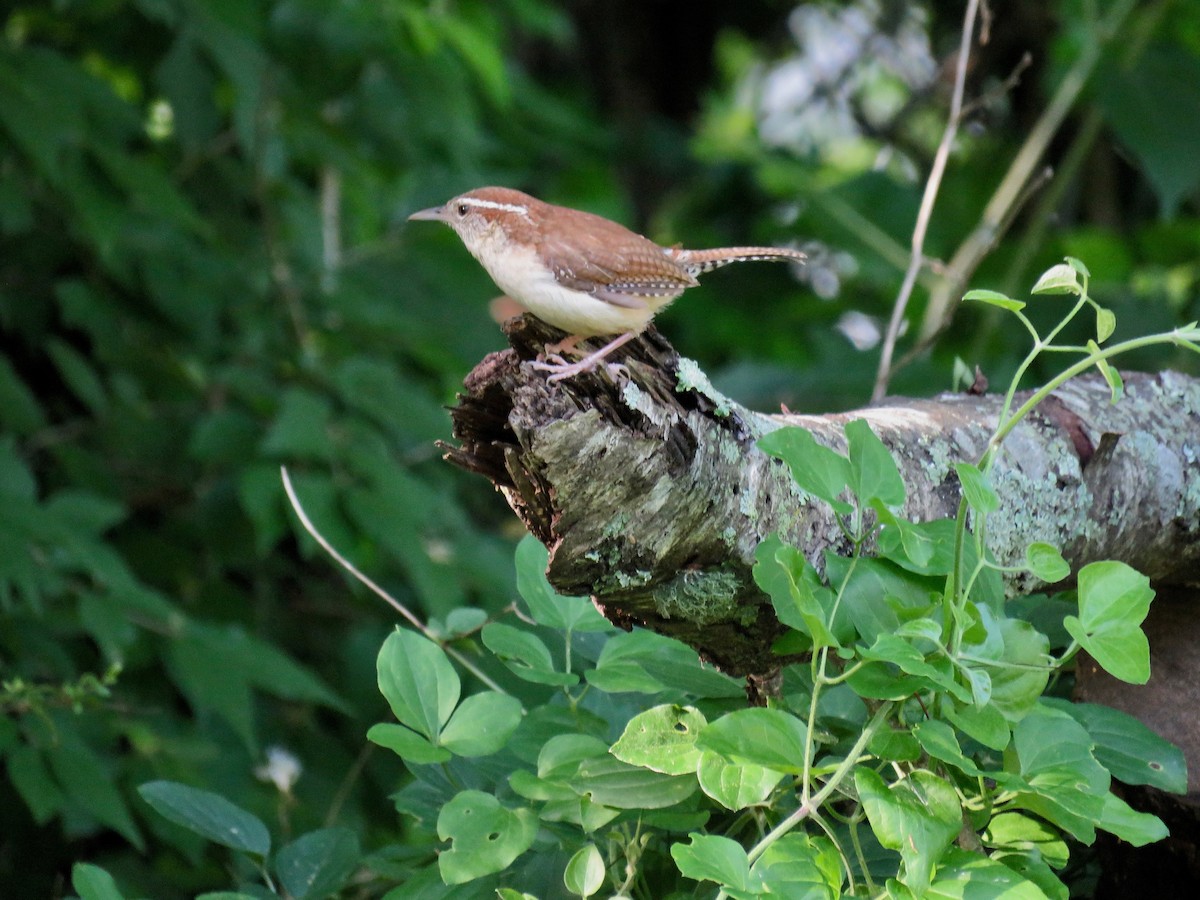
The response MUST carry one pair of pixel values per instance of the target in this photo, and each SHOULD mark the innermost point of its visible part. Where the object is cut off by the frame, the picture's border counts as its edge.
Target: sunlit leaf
(994, 298)
(1113, 602)
(485, 837)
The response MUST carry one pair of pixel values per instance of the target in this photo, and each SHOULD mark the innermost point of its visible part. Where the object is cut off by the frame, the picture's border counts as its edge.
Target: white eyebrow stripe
(492, 204)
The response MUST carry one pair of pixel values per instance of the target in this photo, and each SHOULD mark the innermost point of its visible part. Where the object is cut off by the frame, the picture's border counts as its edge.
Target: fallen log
(648, 489)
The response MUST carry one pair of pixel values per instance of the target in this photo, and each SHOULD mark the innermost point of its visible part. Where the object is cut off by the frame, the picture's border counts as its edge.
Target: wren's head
(484, 215)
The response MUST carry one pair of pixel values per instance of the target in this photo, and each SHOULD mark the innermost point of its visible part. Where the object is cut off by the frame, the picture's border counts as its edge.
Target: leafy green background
(205, 274)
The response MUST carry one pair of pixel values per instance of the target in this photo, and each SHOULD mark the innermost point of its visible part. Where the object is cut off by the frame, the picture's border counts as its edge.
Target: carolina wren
(580, 272)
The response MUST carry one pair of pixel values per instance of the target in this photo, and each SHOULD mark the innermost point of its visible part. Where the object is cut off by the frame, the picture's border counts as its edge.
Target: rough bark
(651, 495)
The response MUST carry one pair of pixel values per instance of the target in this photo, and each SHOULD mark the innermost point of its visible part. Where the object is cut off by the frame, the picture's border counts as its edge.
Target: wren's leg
(561, 370)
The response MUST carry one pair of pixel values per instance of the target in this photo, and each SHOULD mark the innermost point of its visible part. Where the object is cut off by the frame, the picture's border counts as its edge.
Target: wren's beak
(433, 214)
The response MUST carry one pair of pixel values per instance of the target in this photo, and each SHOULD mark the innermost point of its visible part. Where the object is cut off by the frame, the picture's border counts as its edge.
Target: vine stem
(820, 661)
(366, 581)
(1005, 428)
(1183, 337)
(834, 782)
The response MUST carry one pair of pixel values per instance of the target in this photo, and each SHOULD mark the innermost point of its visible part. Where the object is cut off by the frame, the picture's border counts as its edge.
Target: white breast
(519, 272)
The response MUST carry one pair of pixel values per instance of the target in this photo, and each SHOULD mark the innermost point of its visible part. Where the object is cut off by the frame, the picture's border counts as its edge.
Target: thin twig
(1012, 186)
(917, 258)
(331, 226)
(1007, 86)
(366, 581)
(925, 341)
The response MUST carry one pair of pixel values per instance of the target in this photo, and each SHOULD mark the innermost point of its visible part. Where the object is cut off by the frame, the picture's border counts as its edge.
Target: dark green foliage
(175, 329)
(204, 277)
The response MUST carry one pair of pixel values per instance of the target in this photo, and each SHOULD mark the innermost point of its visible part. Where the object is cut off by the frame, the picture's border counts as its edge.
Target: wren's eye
(463, 209)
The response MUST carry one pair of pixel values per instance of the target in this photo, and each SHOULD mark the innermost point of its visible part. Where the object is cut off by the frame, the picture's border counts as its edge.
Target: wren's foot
(560, 368)
(566, 345)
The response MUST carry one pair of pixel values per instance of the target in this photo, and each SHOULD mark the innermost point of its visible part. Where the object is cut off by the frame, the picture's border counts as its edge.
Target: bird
(580, 272)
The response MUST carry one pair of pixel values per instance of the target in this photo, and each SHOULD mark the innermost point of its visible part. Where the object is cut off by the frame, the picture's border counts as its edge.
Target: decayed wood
(648, 489)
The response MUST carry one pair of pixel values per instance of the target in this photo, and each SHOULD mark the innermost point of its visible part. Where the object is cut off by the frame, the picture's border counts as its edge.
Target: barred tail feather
(697, 262)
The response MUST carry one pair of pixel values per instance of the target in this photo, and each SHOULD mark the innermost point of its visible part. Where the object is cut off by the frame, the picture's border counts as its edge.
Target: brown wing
(611, 262)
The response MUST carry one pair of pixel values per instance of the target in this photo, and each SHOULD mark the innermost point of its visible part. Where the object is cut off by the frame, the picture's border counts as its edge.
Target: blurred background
(206, 273)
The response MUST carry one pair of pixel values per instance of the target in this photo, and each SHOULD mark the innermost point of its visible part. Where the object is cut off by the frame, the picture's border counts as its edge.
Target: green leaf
(873, 471)
(1116, 384)
(924, 548)
(1113, 602)
(662, 739)
(986, 725)
(1078, 266)
(1059, 279)
(302, 427)
(87, 781)
(79, 374)
(562, 755)
(735, 785)
(1065, 783)
(645, 662)
(32, 780)
(1136, 828)
(209, 815)
(713, 858)
(608, 781)
(800, 866)
(894, 745)
(525, 654)
(877, 595)
(940, 742)
(994, 298)
(270, 669)
(1128, 749)
(915, 550)
(317, 864)
(975, 487)
(20, 412)
(795, 589)
(464, 620)
(93, 883)
(816, 469)
(485, 836)
(1021, 668)
(1017, 830)
(764, 737)
(918, 816)
(418, 681)
(208, 679)
(548, 607)
(585, 871)
(582, 764)
(980, 683)
(217, 667)
(482, 724)
(920, 674)
(972, 876)
(1106, 324)
(480, 52)
(1046, 563)
(1160, 135)
(407, 744)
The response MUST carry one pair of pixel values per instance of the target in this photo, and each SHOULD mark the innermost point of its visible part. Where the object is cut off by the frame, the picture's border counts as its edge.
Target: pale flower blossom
(282, 769)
